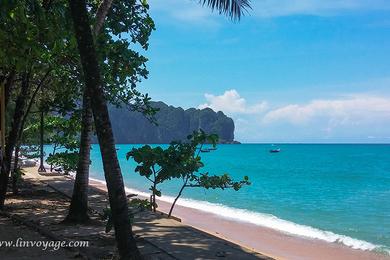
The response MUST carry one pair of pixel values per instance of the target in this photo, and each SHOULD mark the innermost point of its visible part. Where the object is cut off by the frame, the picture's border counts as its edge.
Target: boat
(205, 150)
(274, 149)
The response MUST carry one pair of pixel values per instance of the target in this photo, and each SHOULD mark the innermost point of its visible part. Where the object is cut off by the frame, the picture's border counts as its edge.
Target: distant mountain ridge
(174, 123)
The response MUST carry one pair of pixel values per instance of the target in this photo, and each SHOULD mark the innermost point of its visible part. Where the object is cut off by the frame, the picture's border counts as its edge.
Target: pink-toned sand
(261, 239)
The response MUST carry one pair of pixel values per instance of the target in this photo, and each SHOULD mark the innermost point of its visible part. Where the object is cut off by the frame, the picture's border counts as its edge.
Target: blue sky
(289, 71)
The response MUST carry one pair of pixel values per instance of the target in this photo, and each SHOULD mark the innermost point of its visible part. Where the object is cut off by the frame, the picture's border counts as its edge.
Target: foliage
(232, 8)
(32, 34)
(29, 147)
(181, 160)
(66, 160)
(63, 132)
(149, 159)
(40, 40)
(141, 204)
(128, 23)
(29, 151)
(173, 123)
(41, 46)
(18, 173)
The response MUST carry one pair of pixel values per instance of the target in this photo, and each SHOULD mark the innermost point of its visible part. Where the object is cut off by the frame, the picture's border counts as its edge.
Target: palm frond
(232, 8)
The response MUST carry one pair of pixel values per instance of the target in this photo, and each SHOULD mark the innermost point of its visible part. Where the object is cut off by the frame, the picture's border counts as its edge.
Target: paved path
(169, 238)
(11, 232)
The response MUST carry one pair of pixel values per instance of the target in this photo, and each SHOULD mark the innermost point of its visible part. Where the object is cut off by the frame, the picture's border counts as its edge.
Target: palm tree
(231, 8)
(93, 86)
(78, 209)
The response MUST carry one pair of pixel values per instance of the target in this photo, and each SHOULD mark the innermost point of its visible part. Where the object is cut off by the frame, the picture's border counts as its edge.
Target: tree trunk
(8, 86)
(53, 153)
(20, 133)
(154, 197)
(41, 130)
(78, 209)
(174, 202)
(101, 14)
(13, 137)
(126, 243)
(15, 171)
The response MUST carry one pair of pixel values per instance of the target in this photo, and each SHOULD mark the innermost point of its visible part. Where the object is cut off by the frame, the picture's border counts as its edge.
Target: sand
(157, 236)
(262, 239)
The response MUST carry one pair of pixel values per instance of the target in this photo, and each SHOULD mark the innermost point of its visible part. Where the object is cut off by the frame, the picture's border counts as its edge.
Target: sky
(300, 71)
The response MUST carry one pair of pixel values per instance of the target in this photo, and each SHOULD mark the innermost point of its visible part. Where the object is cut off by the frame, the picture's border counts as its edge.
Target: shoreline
(264, 240)
(160, 237)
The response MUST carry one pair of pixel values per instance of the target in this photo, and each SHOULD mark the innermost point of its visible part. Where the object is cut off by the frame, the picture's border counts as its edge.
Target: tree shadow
(157, 237)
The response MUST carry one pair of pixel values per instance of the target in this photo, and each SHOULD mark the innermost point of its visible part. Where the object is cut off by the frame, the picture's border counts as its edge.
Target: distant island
(174, 123)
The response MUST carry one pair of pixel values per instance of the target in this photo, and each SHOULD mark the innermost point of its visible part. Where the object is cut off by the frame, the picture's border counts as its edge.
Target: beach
(202, 129)
(296, 177)
(336, 194)
(265, 241)
(158, 237)
(261, 239)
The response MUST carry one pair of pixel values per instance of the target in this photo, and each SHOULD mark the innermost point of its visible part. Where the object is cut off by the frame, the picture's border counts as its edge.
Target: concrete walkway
(10, 231)
(164, 238)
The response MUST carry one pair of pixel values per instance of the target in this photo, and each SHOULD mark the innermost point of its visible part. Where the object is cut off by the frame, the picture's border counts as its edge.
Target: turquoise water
(338, 193)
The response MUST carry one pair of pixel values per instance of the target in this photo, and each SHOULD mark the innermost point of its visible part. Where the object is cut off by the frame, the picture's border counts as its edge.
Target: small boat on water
(274, 149)
(205, 150)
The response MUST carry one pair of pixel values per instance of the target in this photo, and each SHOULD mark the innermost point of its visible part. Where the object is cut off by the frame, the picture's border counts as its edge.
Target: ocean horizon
(332, 192)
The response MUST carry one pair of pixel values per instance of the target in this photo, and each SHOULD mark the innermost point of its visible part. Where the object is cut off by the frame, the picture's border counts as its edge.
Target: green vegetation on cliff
(173, 123)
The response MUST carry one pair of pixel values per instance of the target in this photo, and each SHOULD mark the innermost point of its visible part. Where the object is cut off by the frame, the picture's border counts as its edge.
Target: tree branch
(101, 14)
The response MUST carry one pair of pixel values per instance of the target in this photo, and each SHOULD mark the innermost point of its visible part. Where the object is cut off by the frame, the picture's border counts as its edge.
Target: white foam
(266, 220)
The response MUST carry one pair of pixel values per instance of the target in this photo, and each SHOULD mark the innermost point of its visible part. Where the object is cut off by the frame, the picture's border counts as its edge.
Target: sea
(333, 192)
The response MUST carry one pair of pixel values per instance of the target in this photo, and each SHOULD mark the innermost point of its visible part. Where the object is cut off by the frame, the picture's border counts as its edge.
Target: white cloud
(347, 118)
(183, 11)
(191, 11)
(352, 110)
(273, 8)
(232, 103)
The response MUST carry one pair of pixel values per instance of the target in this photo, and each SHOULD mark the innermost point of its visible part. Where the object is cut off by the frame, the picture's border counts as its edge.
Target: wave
(267, 220)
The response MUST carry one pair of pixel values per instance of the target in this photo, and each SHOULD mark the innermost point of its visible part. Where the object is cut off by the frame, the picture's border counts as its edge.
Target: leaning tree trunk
(15, 175)
(13, 137)
(101, 14)
(126, 243)
(177, 197)
(78, 209)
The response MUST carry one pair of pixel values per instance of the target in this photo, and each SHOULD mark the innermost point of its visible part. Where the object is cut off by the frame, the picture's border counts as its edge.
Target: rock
(174, 123)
